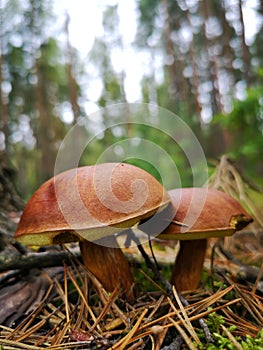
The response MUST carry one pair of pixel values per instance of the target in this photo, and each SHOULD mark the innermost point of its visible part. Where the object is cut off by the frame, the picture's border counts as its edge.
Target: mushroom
(200, 213)
(90, 204)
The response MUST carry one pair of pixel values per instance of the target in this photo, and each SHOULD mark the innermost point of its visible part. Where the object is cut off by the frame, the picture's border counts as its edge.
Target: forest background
(193, 58)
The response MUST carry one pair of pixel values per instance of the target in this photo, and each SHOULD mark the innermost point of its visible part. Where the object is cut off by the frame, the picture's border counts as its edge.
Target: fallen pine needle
(185, 318)
(187, 340)
(125, 341)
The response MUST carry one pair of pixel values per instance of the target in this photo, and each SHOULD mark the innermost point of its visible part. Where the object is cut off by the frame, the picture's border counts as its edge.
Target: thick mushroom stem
(110, 267)
(188, 264)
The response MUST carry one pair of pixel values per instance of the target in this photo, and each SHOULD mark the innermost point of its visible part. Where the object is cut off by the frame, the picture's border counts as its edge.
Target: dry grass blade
(58, 337)
(104, 298)
(125, 341)
(16, 345)
(243, 326)
(81, 295)
(185, 319)
(250, 305)
(161, 337)
(153, 282)
(72, 345)
(205, 303)
(138, 345)
(156, 307)
(187, 340)
(106, 308)
(32, 330)
(65, 296)
(116, 322)
(192, 318)
(150, 325)
(82, 316)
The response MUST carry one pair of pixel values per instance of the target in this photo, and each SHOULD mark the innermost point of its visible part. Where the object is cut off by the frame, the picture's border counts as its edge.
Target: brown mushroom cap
(199, 213)
(204, 212)
(90, 202)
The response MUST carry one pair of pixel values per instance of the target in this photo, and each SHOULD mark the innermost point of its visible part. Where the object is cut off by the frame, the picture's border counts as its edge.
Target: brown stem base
(188, 265)
(110, 267)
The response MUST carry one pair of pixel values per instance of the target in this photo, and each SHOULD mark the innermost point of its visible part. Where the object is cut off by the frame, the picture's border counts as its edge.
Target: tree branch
(31, 260)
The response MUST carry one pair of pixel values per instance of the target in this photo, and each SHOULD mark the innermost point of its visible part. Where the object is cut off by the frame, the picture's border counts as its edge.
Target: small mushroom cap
(90, 203)
(204, 212)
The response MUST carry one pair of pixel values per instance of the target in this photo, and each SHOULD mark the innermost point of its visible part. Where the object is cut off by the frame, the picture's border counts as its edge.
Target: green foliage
(246, 113)
(170, 34)
(222, 341)
(112, 89)
(245, 125)
(253, 343)
(143, 284)
(214, 322)
(147, 166)
(147, 10)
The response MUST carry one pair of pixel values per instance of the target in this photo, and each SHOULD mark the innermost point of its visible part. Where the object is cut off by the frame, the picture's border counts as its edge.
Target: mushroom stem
(188, 264)
(109, 265)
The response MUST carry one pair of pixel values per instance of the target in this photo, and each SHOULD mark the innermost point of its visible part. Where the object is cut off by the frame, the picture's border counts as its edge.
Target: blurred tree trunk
(73, 91)
(195, 76)
(170, 54)
(216, 142)
(245, 49)
(177, 83)
(3, 102)
(227, 50)
(44, 127)
(211, 69)
(42, 106)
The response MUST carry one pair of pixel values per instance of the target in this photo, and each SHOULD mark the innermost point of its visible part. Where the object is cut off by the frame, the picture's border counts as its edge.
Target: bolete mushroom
(90, 204)
(200, 213)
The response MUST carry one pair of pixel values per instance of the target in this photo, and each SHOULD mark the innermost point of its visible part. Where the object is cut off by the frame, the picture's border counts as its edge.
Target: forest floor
(66, 307)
